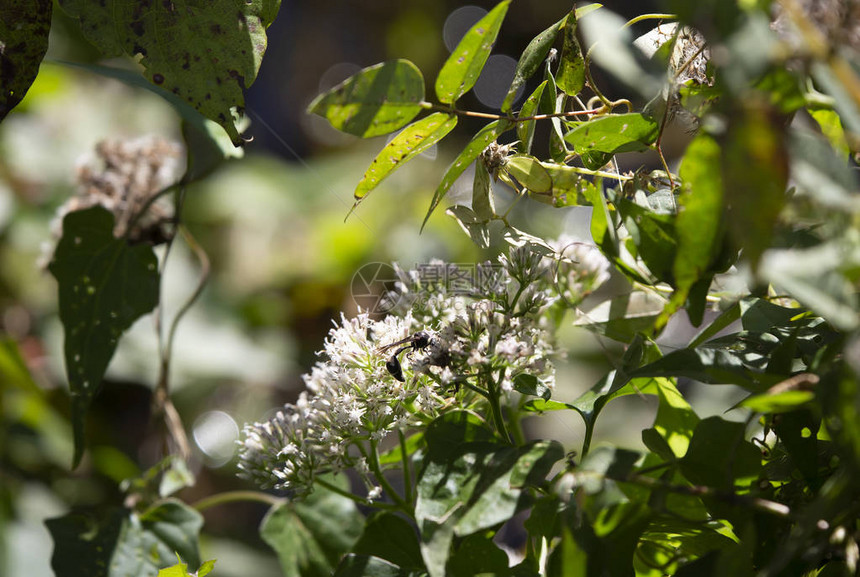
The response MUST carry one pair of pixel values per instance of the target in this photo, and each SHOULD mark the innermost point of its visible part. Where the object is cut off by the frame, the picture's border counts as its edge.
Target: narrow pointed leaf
(377, 100)
(526, 129)
(412, 141)
(476, 228)
(24, 27)
(461, 70)
(530, 61)
(570, 76)
(207, 53)
(482, 193)
(614, 133)
(475, 147)
(104, 286)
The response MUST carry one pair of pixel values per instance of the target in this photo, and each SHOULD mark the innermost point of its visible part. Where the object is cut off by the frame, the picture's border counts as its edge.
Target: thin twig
(236, 497)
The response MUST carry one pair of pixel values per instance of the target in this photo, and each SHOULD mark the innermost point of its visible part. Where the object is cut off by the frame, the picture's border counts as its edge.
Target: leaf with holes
(24, 27)
(614, 133)
(207, 53)
(412, 141)
(104, 286)
(461, 70)
(530, 61)
(377, 100)
(571, 68)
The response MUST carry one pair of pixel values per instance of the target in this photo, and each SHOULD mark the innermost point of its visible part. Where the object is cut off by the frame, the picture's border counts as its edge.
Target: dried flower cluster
(484, 326)
(123, 176)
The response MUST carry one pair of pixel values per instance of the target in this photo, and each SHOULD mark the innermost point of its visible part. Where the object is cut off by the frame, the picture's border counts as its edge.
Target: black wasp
(419, 341)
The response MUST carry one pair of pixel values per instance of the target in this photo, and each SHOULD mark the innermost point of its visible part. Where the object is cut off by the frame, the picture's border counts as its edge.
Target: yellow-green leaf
(413, 140)
(461, 70)
(377, 100)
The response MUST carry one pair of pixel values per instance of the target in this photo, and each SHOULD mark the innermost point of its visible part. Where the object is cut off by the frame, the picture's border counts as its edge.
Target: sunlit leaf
(570, 75)
(104, 286)
(207, 54)
(526, 129)
(24, 27)
(410, 142)
(377, 100)
(468, 155)
(529, 63)
(614, 133)
(529, 172)
(460, 72)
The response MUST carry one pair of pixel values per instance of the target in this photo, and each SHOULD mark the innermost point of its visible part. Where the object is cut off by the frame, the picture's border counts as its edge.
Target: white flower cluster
(350, 398)
(452, 338)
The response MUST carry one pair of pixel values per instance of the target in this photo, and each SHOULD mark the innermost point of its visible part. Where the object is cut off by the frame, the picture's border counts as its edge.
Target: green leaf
(395, 455)
(614, 133)
(477, 555)
(699, 223)
(475, 147)
(377, 100)
(483, 203)
(412, 141)
(570, 76)
(312, 535)
(621, 318)
(820, 173)
(447, 433)
(206, 54)
(526, 129)
(482, 486)
(529, 63)
(104, 286)
(529, 172)
(754, 175)
(818, 277)
(364, 566)
(472, 225)
(389, 537)
(124, 544)
(464, 65)
(831, 128)
(531, 385)
(719, 456)
(24, 27)
(778, 402)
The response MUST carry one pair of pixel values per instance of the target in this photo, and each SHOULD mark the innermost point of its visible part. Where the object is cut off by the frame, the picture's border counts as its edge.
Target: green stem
(236, 497)
(407, 471)
(373, 463)
(642, 17)
(494, 399)
(491, 116)
(360, 500)
(589, 432)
